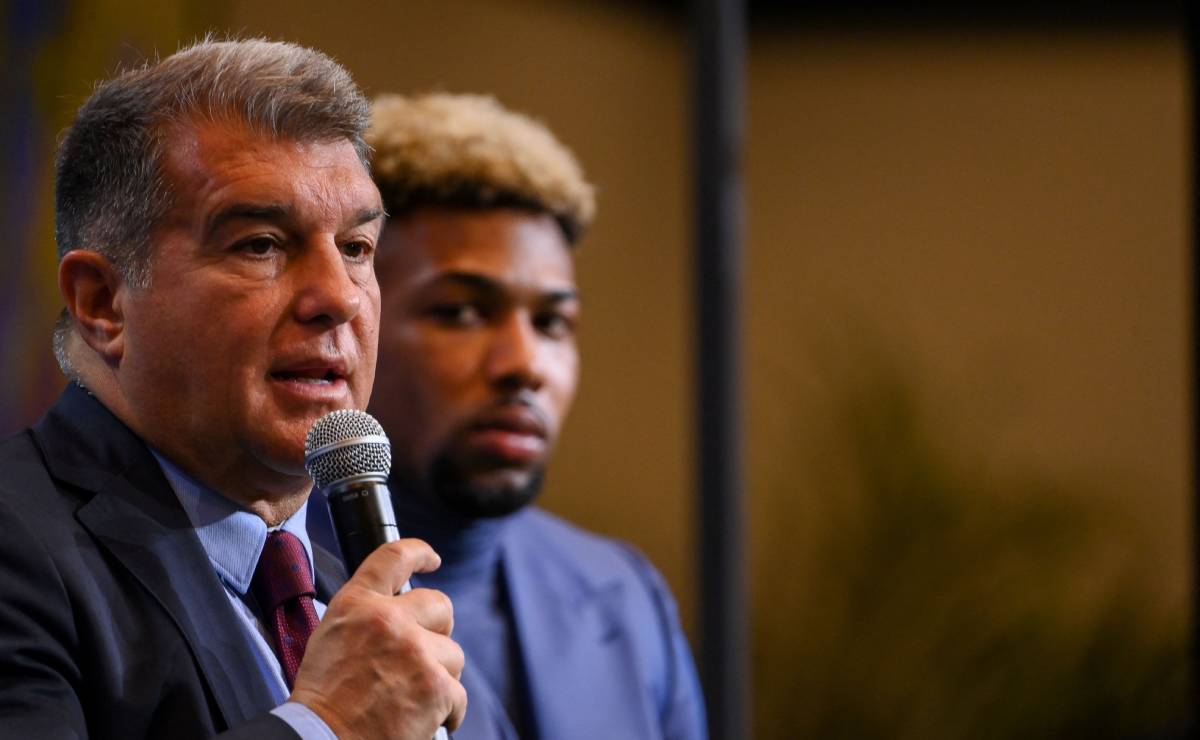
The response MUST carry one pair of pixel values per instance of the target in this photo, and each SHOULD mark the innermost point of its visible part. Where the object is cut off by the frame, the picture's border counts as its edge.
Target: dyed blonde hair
(468, 150)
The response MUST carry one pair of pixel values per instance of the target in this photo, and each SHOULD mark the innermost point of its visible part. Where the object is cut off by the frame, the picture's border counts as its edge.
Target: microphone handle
(363, 519)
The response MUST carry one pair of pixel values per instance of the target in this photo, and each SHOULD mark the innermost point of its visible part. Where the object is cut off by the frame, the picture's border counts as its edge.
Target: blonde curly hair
(468, 150)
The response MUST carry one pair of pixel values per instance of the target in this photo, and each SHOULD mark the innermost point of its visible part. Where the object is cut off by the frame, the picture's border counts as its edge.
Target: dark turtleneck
(472, 576)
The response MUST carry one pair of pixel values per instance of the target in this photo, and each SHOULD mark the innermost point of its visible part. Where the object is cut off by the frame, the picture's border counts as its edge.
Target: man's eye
(357, 250)
(556, 325)
(456, 314)
(258, 247)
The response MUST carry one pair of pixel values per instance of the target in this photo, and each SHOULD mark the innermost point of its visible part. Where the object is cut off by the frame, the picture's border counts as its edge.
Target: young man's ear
(93, 290)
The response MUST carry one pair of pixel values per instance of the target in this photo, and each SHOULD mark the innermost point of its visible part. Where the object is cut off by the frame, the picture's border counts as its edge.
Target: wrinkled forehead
(214, 166)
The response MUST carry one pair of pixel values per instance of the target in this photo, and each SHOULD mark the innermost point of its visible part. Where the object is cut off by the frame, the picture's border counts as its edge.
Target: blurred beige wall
(997, 222)
(1007, 213)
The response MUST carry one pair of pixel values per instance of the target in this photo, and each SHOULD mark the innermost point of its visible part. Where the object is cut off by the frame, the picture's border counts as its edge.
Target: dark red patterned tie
(283, 587)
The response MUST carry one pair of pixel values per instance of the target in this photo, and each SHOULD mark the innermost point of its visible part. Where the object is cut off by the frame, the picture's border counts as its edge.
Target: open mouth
(315, 376)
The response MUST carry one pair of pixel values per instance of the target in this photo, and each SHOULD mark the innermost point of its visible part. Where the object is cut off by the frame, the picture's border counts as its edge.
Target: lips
(516, 418)
(511, 434)
(309, 375)
(311, 370)
(312, 378)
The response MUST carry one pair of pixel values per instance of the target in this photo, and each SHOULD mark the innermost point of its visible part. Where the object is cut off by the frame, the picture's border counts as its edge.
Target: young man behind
(567, 634)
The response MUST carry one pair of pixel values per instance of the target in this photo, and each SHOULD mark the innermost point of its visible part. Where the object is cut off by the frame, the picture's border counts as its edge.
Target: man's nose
(327, 293)
(515, 357)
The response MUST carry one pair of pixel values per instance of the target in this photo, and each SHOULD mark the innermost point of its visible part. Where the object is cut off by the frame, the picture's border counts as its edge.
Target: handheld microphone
(349, 457)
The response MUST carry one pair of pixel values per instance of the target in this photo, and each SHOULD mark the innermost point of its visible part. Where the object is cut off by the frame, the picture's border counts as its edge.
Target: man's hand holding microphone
(381, 664)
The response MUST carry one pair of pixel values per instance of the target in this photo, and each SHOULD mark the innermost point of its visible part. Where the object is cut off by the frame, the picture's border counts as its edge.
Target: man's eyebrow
(469, 280)
(489, 285)
(275, 212)
(367, 215)
(561, 296)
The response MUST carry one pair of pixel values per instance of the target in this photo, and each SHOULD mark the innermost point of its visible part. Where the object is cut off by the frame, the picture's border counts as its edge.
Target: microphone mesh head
(336, 450)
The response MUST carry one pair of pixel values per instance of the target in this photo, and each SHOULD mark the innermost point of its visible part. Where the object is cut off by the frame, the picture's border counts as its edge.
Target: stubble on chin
(475, 496)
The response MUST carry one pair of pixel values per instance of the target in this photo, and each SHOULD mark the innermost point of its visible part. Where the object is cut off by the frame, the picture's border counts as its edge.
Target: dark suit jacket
(112, 621)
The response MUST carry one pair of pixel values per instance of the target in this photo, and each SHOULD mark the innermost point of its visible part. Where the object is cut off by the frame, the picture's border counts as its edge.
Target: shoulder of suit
(559, 544)
(26, 486)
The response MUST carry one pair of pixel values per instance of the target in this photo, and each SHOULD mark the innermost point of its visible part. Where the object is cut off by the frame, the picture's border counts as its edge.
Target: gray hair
(110, 192)
(62, 335)
(109, 188)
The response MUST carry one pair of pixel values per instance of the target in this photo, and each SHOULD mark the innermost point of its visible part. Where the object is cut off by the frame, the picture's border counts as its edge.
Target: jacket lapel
(576, 649)
(136, 517)
(330, 573)
(486, 717)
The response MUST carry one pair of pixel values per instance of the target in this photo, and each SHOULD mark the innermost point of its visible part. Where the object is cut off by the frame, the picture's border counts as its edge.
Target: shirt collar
(232, 536)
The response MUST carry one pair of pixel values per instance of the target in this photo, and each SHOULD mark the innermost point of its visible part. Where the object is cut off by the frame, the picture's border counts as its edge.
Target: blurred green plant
(933, 600)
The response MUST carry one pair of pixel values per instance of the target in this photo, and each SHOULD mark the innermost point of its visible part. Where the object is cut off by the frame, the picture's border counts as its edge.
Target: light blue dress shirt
(233, 538)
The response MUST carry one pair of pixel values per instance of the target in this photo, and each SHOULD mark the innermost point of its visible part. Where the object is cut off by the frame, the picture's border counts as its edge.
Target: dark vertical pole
(719, 110)
(1192, 44)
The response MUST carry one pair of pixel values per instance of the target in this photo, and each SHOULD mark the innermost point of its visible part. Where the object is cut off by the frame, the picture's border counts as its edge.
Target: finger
(459, 712)
(449, 654)
(386, 570)
(431, 609)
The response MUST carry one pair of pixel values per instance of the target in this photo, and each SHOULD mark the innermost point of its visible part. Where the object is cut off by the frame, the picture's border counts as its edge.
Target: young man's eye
(556, 325)
(456, 314)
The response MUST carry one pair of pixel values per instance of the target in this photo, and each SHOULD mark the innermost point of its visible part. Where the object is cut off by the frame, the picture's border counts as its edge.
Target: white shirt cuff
(304, 721)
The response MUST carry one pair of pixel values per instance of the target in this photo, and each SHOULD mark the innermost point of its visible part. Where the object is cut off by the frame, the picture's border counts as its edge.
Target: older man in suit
(216, 226)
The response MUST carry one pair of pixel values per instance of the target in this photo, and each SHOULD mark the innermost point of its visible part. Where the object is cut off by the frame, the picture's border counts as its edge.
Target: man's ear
(94, 290)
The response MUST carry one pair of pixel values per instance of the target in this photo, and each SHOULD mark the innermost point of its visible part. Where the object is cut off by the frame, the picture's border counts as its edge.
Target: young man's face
(262, 309)
(477, 356)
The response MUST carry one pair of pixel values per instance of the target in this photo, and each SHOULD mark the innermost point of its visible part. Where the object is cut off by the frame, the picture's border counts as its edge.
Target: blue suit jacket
(599, 634)
(112, 622)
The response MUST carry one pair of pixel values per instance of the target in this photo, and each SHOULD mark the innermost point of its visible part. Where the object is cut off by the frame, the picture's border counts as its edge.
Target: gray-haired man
(216, 230)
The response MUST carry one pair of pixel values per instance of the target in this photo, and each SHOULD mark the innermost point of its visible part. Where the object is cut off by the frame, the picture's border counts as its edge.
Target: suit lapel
(486, 717)
(576, 650)
(330, 573)
(136, 517)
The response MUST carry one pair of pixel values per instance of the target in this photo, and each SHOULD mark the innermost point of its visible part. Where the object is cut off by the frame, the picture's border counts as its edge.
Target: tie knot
(283, 571)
